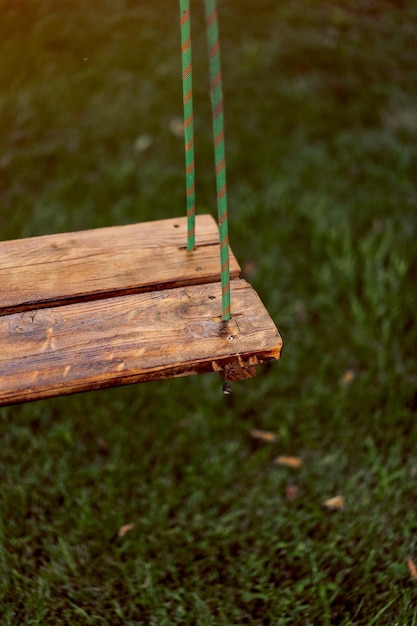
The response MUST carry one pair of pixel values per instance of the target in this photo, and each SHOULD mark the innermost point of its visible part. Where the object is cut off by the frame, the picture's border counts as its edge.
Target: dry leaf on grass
(412, 567)
(292, 492)
(263, 435)
(249, 269)
(124, 529)
(176, 126)
(289, 461)
(142, 143)
(347, 378)
(335, 504)
(328, 459)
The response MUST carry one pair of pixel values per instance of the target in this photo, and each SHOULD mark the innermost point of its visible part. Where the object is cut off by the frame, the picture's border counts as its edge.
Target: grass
(321, 143)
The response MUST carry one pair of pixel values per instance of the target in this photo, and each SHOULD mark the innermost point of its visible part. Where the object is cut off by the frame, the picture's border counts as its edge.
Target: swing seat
(112, 306)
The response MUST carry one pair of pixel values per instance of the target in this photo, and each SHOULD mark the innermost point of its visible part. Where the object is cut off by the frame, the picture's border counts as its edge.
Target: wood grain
(86, 265)
(133, 338)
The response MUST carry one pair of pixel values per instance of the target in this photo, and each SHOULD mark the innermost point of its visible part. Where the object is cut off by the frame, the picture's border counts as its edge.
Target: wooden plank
(74, 267)
(133, 338)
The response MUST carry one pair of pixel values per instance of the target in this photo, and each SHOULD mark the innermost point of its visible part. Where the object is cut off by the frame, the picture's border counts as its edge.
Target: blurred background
(321, 130)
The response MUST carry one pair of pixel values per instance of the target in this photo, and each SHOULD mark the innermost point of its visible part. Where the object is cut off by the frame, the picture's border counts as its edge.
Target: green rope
(216, 93)
(187, 86)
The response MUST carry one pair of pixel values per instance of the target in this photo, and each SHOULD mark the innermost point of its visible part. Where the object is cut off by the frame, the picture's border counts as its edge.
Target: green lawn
(321, 131)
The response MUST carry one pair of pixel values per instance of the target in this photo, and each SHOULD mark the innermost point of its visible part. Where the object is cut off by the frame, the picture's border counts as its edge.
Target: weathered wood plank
(86, 265)
(133, 338)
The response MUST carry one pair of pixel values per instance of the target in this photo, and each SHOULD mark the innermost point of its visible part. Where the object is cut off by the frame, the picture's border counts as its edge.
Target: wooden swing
(125, 304)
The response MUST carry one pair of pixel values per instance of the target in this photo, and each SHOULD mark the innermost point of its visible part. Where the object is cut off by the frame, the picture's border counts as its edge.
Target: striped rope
(187, 86)
(216, 93)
